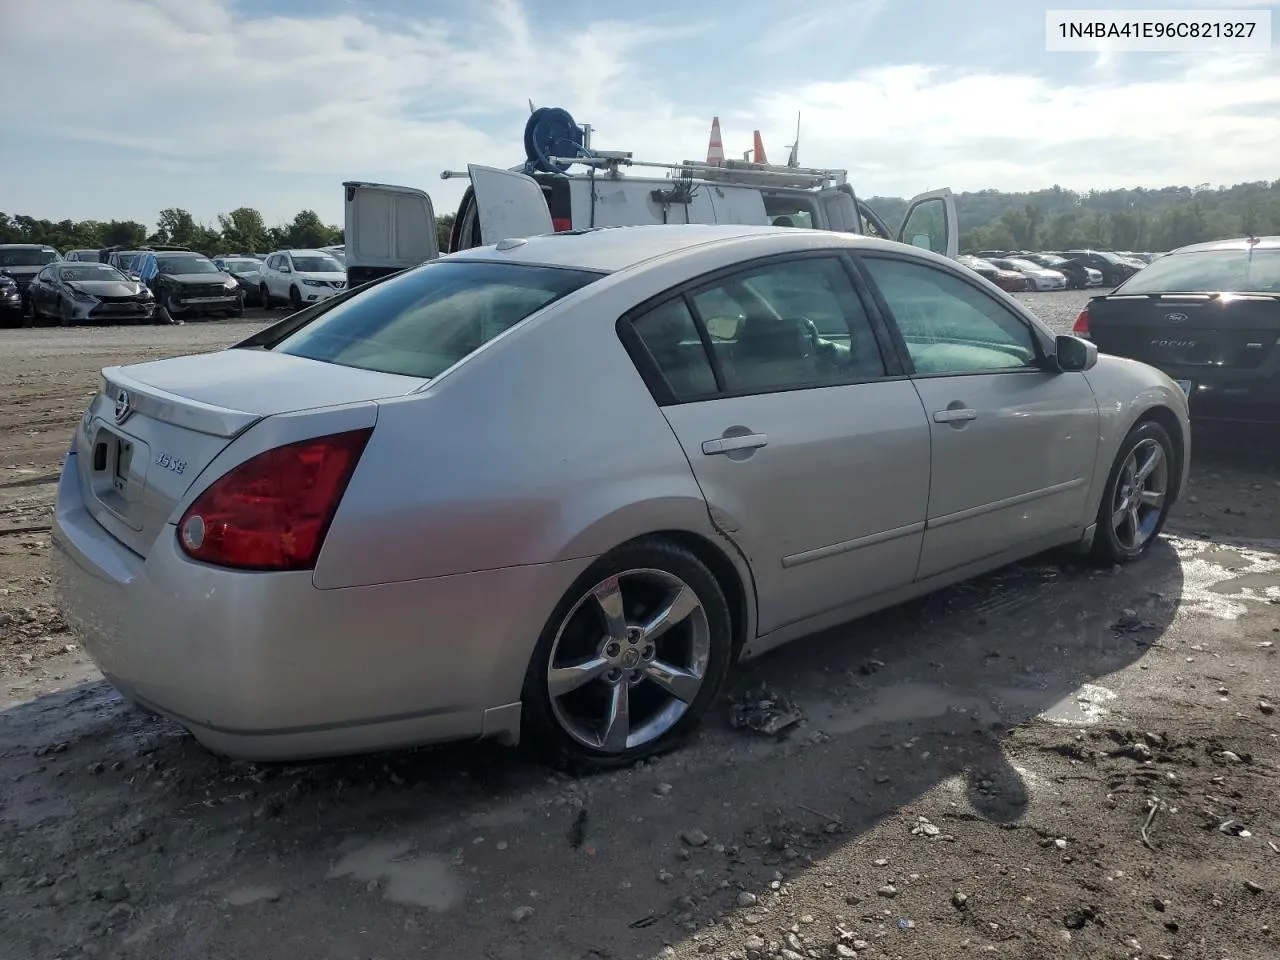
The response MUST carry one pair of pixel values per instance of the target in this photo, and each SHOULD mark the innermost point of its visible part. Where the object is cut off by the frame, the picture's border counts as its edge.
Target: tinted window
(949, 325)
(671, 337)
(424, 321)
(1210, 271)
(26, 258)
(317, 265)
(96, 271)
(790, 324)
(185, 264)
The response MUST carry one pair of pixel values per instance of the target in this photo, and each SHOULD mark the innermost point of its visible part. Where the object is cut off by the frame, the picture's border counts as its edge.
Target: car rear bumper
(1238, 397)
(265, 666)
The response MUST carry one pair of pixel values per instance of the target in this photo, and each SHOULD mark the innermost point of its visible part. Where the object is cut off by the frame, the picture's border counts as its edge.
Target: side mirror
(1074, 355)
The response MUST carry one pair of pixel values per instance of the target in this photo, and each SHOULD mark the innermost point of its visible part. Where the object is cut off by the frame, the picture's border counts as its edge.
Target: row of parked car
(1069, 270)
(159, 283)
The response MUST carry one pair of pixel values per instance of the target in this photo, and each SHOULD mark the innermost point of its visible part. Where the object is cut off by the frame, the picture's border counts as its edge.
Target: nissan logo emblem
(124, 406)
(1176, 317)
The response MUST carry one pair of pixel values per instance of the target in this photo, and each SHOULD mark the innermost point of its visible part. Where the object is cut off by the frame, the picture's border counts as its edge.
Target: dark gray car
(22, 261)
(74, 292)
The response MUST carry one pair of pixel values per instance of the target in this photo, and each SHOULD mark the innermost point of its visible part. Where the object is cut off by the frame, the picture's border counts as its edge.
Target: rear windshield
(426, 320)
(1209, 271)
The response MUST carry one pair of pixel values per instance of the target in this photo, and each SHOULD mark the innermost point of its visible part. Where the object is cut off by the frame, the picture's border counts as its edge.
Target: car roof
(1240, 243)
(611, 249)
(27, 246)
(306, 252)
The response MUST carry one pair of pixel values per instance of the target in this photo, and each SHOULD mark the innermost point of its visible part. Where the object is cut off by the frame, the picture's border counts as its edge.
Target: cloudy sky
(117, 108)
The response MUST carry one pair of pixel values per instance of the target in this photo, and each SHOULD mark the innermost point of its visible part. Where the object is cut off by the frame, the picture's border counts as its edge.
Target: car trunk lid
(1188, 333)
(153, 427)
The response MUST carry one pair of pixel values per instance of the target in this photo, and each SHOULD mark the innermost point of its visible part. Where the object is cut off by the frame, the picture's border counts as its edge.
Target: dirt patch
(1053, 761)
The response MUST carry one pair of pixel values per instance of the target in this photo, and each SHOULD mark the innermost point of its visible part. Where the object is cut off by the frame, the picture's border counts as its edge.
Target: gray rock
(959, 900)
(755, 942)
(888, 890)
(1253, 886)
(747, 899)
(521, 914)
(695, 838)
(115, 893)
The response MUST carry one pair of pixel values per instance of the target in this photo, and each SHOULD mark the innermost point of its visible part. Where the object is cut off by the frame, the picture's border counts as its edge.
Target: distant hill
(1140, 219)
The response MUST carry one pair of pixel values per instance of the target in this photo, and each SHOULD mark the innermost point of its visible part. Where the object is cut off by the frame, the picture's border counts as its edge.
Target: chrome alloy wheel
(628, 660)
(1141, 489)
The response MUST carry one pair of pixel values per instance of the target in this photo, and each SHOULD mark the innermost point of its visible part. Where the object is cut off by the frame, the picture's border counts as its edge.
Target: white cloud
(227, 95)
(920, 126)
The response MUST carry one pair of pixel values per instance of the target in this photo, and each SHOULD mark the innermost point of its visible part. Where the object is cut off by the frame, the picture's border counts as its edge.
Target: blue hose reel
(551, 132)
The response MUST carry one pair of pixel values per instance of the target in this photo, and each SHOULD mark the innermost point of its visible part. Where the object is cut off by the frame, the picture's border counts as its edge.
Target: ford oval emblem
(1176, 317)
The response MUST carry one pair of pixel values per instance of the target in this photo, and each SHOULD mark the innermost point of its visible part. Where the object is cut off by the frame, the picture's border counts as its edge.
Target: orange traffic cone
(715, 146)
(759, 150)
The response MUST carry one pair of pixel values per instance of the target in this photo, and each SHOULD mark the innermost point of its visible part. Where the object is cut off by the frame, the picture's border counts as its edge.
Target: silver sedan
(556, 487)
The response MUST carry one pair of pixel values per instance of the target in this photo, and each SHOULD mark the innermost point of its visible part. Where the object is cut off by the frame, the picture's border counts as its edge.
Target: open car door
(840, 208)
(509, 204)
(931, 223)
(386, 229)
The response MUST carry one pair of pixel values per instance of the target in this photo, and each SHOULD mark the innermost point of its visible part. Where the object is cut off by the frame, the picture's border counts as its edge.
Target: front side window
(950, 326)
(424, 321)
(789, 324)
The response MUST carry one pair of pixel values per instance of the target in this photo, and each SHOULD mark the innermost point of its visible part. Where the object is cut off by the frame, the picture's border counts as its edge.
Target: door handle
(954, 415)
(729, 444)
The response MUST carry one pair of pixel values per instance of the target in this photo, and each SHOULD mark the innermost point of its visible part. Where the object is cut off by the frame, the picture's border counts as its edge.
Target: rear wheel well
(721, 567)
(1167, 419)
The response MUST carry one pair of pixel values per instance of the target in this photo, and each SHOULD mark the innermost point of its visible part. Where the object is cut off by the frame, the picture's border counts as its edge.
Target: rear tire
(1137, 497)
(626, 667)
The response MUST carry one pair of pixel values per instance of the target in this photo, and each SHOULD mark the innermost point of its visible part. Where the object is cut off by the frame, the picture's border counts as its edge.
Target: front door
(931, 223)
(1014, 444)
(810, 456)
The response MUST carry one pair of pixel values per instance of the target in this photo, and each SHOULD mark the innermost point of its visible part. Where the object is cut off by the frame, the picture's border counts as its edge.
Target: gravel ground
(1053, 761)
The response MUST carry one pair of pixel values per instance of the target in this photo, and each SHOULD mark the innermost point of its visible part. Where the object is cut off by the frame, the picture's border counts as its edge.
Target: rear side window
(424, 321)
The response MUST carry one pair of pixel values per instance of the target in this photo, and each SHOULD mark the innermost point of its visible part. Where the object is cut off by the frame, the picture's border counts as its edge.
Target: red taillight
(1081, 327)
(272, 512)
(561, 224)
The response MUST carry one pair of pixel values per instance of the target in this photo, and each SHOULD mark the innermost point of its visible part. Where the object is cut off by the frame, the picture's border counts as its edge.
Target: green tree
(176, 226)
(243, 230)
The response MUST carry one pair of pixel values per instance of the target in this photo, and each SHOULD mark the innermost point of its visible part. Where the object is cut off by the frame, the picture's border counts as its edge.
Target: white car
(1043, 278)
(300, 277)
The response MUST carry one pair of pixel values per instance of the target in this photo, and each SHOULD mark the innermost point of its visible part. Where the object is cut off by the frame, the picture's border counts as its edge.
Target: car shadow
(449, 845)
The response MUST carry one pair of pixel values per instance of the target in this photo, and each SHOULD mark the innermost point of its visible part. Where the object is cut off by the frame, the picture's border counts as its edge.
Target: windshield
(26, 258)
(90, 271)
(426, 320)
(242, 266)
(317, 265)
(1209, 271)
(188, 264)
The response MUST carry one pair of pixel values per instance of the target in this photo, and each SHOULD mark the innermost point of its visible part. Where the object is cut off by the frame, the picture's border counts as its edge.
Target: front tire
(631, 659)
(295, 299)
(1136, 501)
(265, 295)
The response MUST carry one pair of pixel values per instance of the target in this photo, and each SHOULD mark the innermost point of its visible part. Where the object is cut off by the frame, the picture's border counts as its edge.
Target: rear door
(509, 204)
(812, 454)
(839, 210)
(386, 229)
(1013, 444)
(931, 223)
